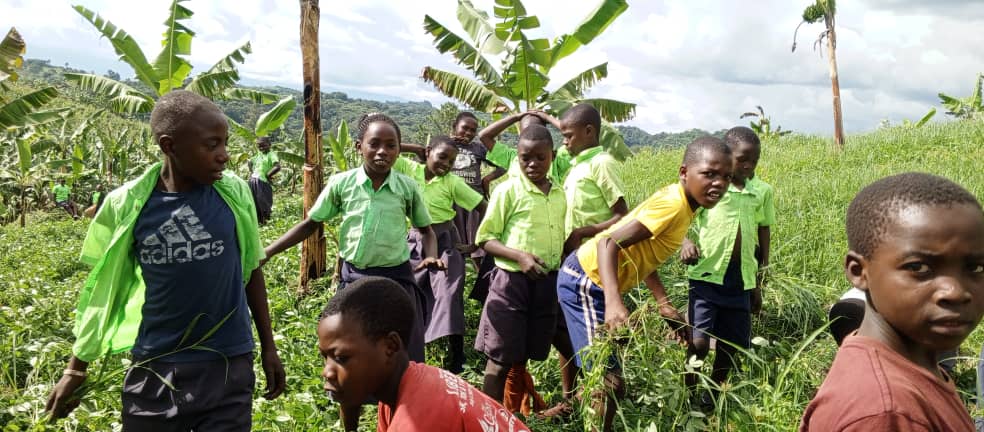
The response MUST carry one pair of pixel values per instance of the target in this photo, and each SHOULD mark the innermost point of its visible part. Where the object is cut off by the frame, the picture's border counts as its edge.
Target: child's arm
(530, 264)
(273, 171)
(487, 180)
(666, 309)
(431, 259)
(577, 236)
(608, 247)
(416, 149)
(764, 240)
(295, 235)
(273, 369)
(488, 135)
(547, 118)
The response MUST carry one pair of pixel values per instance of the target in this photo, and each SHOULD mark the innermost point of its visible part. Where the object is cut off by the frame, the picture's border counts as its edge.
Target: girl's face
(440, 158)
(465, 129)
(379, 147)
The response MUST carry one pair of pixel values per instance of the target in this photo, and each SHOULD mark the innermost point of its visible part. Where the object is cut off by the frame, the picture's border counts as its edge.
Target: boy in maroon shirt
(917, 251)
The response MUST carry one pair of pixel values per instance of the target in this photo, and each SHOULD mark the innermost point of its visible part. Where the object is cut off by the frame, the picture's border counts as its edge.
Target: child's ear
(683, 173)
(855, 269)
(590, 130)
(393, 344)
(166, 144)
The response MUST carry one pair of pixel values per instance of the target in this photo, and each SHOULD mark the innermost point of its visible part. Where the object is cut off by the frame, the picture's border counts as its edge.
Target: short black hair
(536, 133)
(441, 140)
(261, 139)
(703, 144)
(877, 205)
(373, 117)
(741, 134)
(463, 115)
(174, 108)
(583, 114)
(378, 304)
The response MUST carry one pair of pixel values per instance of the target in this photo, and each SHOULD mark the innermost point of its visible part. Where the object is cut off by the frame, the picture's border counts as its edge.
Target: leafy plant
(170, 69)
(763, 126)
(520, 83)
(968, 107)
(19, 111)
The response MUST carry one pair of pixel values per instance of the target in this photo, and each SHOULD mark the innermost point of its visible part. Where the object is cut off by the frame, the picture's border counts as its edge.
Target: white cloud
(686, 64)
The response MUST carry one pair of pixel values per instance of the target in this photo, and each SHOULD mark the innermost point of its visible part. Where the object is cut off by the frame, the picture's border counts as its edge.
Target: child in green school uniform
(523, 231)
(731, 250)
(442, 191)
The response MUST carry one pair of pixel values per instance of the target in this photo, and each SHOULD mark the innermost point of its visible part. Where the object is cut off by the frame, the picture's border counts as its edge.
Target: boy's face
(263, 145)
(198, 149)
(355, 366)
(745, 158)
(926, 276)
(465, 129)
(440, 158)
(577, 137)
(380, 146)
(706, 181)
(534, 158)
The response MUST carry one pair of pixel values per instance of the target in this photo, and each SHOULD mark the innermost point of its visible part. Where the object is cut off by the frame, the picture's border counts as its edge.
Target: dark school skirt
(466, 222)
(262, 197)
(446, 302)
(403, 275)
(519, 317)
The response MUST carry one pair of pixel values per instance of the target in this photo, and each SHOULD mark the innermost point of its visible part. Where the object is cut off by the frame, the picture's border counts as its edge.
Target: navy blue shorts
(721, 311)
(583, 303)
(518, 319)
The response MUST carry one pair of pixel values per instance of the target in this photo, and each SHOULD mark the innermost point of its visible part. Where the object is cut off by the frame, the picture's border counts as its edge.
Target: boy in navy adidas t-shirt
(175, 256)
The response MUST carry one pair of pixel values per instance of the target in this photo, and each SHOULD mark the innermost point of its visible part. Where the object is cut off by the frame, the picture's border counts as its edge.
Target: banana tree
(520, 82)
(21, 110)
(26, 175)
(826, 10)
(170, 70)
(968, 107)
(763, 126)
(265, 125)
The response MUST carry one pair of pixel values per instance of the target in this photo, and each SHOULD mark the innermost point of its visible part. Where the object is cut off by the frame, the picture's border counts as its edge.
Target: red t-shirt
(870, 387)
(431, 399)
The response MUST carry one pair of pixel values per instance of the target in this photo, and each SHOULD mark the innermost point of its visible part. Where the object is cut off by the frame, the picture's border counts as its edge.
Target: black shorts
(721, 311)
(519, 317)
(202, 396)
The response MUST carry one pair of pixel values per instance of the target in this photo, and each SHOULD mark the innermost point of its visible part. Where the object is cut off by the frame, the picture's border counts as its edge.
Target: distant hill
(417, 119)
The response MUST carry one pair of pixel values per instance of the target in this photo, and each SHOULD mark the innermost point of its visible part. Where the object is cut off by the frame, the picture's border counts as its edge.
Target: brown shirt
(870, 387)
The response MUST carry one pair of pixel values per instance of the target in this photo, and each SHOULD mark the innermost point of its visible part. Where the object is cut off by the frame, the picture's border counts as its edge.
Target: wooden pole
(835, 81)
(313, 248)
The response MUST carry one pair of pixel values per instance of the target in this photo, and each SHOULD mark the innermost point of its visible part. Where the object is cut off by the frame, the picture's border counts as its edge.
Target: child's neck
(390, 390)
(874, 326)
(428, 174)
(377, 178)
(739, 184)
(543, 185)
(170, 181)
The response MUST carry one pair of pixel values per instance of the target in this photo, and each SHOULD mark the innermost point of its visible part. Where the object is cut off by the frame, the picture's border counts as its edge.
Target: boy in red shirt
(361, 336)
(917, 252)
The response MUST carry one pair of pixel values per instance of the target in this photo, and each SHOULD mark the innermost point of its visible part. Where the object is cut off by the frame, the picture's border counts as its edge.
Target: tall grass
(40, 278)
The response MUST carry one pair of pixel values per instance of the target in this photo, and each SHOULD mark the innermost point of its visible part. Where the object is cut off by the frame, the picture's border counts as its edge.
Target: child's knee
(496, 369)
(700, 347)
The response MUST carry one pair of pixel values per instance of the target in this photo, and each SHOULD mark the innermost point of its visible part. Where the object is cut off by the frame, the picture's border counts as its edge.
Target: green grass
(40, 277)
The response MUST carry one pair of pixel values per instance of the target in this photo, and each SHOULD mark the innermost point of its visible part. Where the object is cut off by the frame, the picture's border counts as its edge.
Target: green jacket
(109, 311)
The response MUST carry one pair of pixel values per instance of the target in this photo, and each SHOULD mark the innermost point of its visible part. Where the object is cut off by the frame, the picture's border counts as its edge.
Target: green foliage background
(40, 278)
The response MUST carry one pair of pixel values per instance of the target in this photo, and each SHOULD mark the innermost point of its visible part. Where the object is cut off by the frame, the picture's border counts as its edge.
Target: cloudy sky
(685, 63)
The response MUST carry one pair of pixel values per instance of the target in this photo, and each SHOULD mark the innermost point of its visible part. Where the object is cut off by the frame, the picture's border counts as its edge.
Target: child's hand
(574, 240)
(273, 369)
(688, 252)
(431, 263)
(466, 249)
(676, 322)
(60, 402)
(756, 301)
(532, 266)
(615, 315)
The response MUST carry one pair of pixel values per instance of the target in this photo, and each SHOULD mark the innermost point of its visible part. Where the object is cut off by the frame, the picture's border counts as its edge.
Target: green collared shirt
(522, 217)
(504, 157)
(593, 185)
(61, 192)
(373, 232)
(717, 228)
(263, 163)
(110, 304)
(440, 192)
